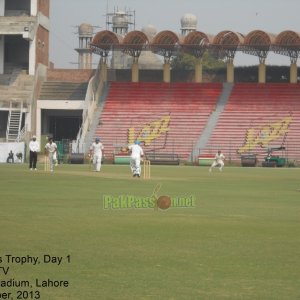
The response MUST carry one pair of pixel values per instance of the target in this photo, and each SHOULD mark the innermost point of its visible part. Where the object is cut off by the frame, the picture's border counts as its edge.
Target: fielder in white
(50, 149)
(96, 153)
(218, 162)
(135, 159)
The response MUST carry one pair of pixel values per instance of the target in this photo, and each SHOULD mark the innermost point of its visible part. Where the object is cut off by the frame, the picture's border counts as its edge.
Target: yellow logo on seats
(149, 132)
(268, 133)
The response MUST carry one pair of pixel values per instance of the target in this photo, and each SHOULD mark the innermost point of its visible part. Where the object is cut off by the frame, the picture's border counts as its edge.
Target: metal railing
(95, 87)
(290, 153)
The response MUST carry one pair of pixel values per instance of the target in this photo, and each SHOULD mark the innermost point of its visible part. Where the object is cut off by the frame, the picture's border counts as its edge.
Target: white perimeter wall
(15, 147)
(54, 104)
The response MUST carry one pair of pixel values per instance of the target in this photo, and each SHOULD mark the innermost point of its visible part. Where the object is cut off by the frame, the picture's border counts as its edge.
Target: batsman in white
(96, 153)
(135, 158)
(55, 160)
(218, 162)
(50, 149)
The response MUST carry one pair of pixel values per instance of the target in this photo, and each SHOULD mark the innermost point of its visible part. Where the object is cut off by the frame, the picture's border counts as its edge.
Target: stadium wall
(242, 74)
(69, 75)
(43, 6)
(42, 48)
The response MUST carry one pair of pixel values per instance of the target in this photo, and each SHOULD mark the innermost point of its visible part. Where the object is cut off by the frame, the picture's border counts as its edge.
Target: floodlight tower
(120, 22)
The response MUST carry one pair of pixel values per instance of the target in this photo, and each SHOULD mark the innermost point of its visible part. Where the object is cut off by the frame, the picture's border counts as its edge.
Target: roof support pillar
(262, 73)
(135, 71)
(293, 73)
(230, 71)
(167, 72)
(198, 71)
(104, 70)
(2, 37)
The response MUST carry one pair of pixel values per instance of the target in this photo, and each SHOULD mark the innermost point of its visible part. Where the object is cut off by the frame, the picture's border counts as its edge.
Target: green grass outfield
(240, 241)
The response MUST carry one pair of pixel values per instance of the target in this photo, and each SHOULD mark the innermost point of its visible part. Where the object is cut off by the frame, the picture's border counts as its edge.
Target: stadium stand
(54, 90)
(168, 118)
(15, 85)
(258, 117)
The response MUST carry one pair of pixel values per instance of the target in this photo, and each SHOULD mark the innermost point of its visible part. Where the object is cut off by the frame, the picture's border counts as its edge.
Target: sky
(273, 16)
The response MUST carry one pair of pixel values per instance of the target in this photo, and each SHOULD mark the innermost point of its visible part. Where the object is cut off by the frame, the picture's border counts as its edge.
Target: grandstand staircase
(212, 121)
(97, 114)
(16, 98)
(16, 86)
(56, 90)
(14, 122)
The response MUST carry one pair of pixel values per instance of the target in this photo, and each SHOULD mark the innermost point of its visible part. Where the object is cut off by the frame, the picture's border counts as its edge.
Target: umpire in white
(34, 148)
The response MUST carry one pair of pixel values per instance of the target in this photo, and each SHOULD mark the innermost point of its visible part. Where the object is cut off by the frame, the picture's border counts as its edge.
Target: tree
(184, 61)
